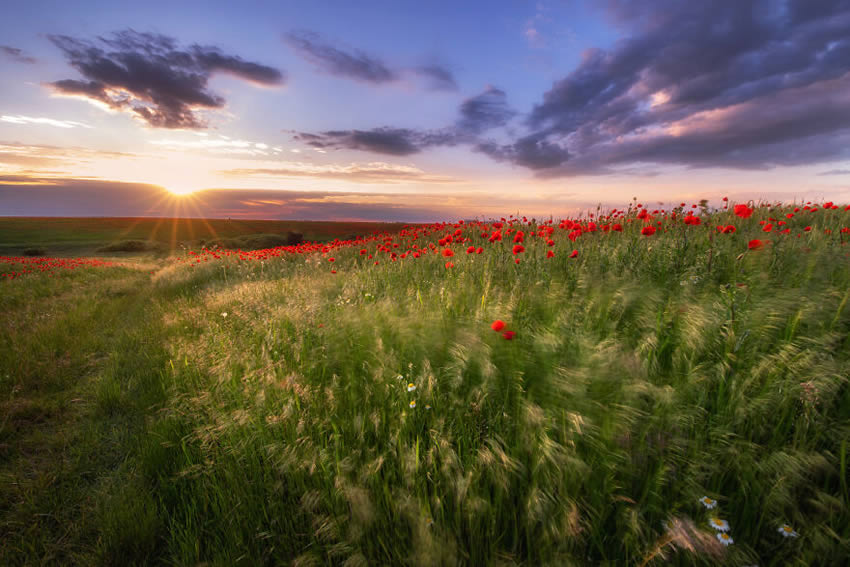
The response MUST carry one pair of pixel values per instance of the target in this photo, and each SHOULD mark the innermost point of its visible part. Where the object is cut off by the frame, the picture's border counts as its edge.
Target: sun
(180, 190)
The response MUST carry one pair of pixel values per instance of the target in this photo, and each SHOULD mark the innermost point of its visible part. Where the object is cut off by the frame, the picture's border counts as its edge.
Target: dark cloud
(484, 111)
(439, 78)
(360, 66)
(388, 141)
(146, 74)
(355, 65)
(530, 151)
(478, 114)
(16, 54)
(749, 84)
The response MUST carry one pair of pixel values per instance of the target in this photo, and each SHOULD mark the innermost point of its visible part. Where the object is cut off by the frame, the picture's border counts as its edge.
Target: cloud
(749, 84)
(835, 172)
(478, 114)
(387, 141)
(355, 65)
(39, 156)
(374, 172)
(439, 77)
(41, 120)
(484, 111)
(16, 54)
(148, 76)
(531, 152)
(360, 66)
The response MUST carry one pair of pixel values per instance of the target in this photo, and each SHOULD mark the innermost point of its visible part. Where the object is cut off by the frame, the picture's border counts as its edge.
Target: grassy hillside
(354, 404)
(87, 236)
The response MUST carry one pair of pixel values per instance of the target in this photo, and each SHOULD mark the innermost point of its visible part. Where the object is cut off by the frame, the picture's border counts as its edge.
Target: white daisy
(708, 502)
(224, 314)
(411, 387)
(719, 525)
(412, 404)
(787, 531)
(725, 538)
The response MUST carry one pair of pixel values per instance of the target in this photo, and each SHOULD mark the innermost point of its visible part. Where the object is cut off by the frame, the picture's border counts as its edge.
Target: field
(618, 388)
(57, 236)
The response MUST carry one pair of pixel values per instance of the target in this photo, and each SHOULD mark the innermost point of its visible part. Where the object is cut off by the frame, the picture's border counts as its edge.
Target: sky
(418, 111)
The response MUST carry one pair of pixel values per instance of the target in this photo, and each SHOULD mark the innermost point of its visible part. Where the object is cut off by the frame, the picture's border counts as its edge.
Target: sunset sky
(418, 111)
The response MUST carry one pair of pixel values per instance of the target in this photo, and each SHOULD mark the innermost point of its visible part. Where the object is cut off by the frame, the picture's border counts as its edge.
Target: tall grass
(274, 422)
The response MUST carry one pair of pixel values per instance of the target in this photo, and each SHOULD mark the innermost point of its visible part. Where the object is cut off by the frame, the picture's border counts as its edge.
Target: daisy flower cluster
(722, 527)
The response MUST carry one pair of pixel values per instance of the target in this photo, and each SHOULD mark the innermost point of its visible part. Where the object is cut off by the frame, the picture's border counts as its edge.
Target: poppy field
(637, 386)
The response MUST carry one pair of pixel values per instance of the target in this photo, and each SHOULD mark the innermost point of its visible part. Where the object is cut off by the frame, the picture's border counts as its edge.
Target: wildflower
(331, 259)
(574, 254)
(787, 531)
(729, 229)
(427, 407)
(450, 265)
(224, 314)
(647, 230)
(708, 502)
(550, 254)
(498, 325)
(755, 244)
(518, 248)
(412, 404)
(508, 335)
(743, 211)
(719, 525)
(725, 539)
(411, 387)
(399, 377)
(447, 252)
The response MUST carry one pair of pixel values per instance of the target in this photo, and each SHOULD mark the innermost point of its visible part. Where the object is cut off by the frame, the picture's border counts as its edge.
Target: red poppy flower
(743, 211)
(470, 250)
(729, 229)
(447, 252)
(449, 265)
(755, 244)
(508, 335)
(498, 325)
(647, 230)
(617, 227)
(574, 254)
(550, 254)
(480, 250)
(518, 248)
(767, 227)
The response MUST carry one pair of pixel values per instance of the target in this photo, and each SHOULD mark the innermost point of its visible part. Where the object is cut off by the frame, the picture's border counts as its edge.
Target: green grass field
(58, 236)
(220, 409)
